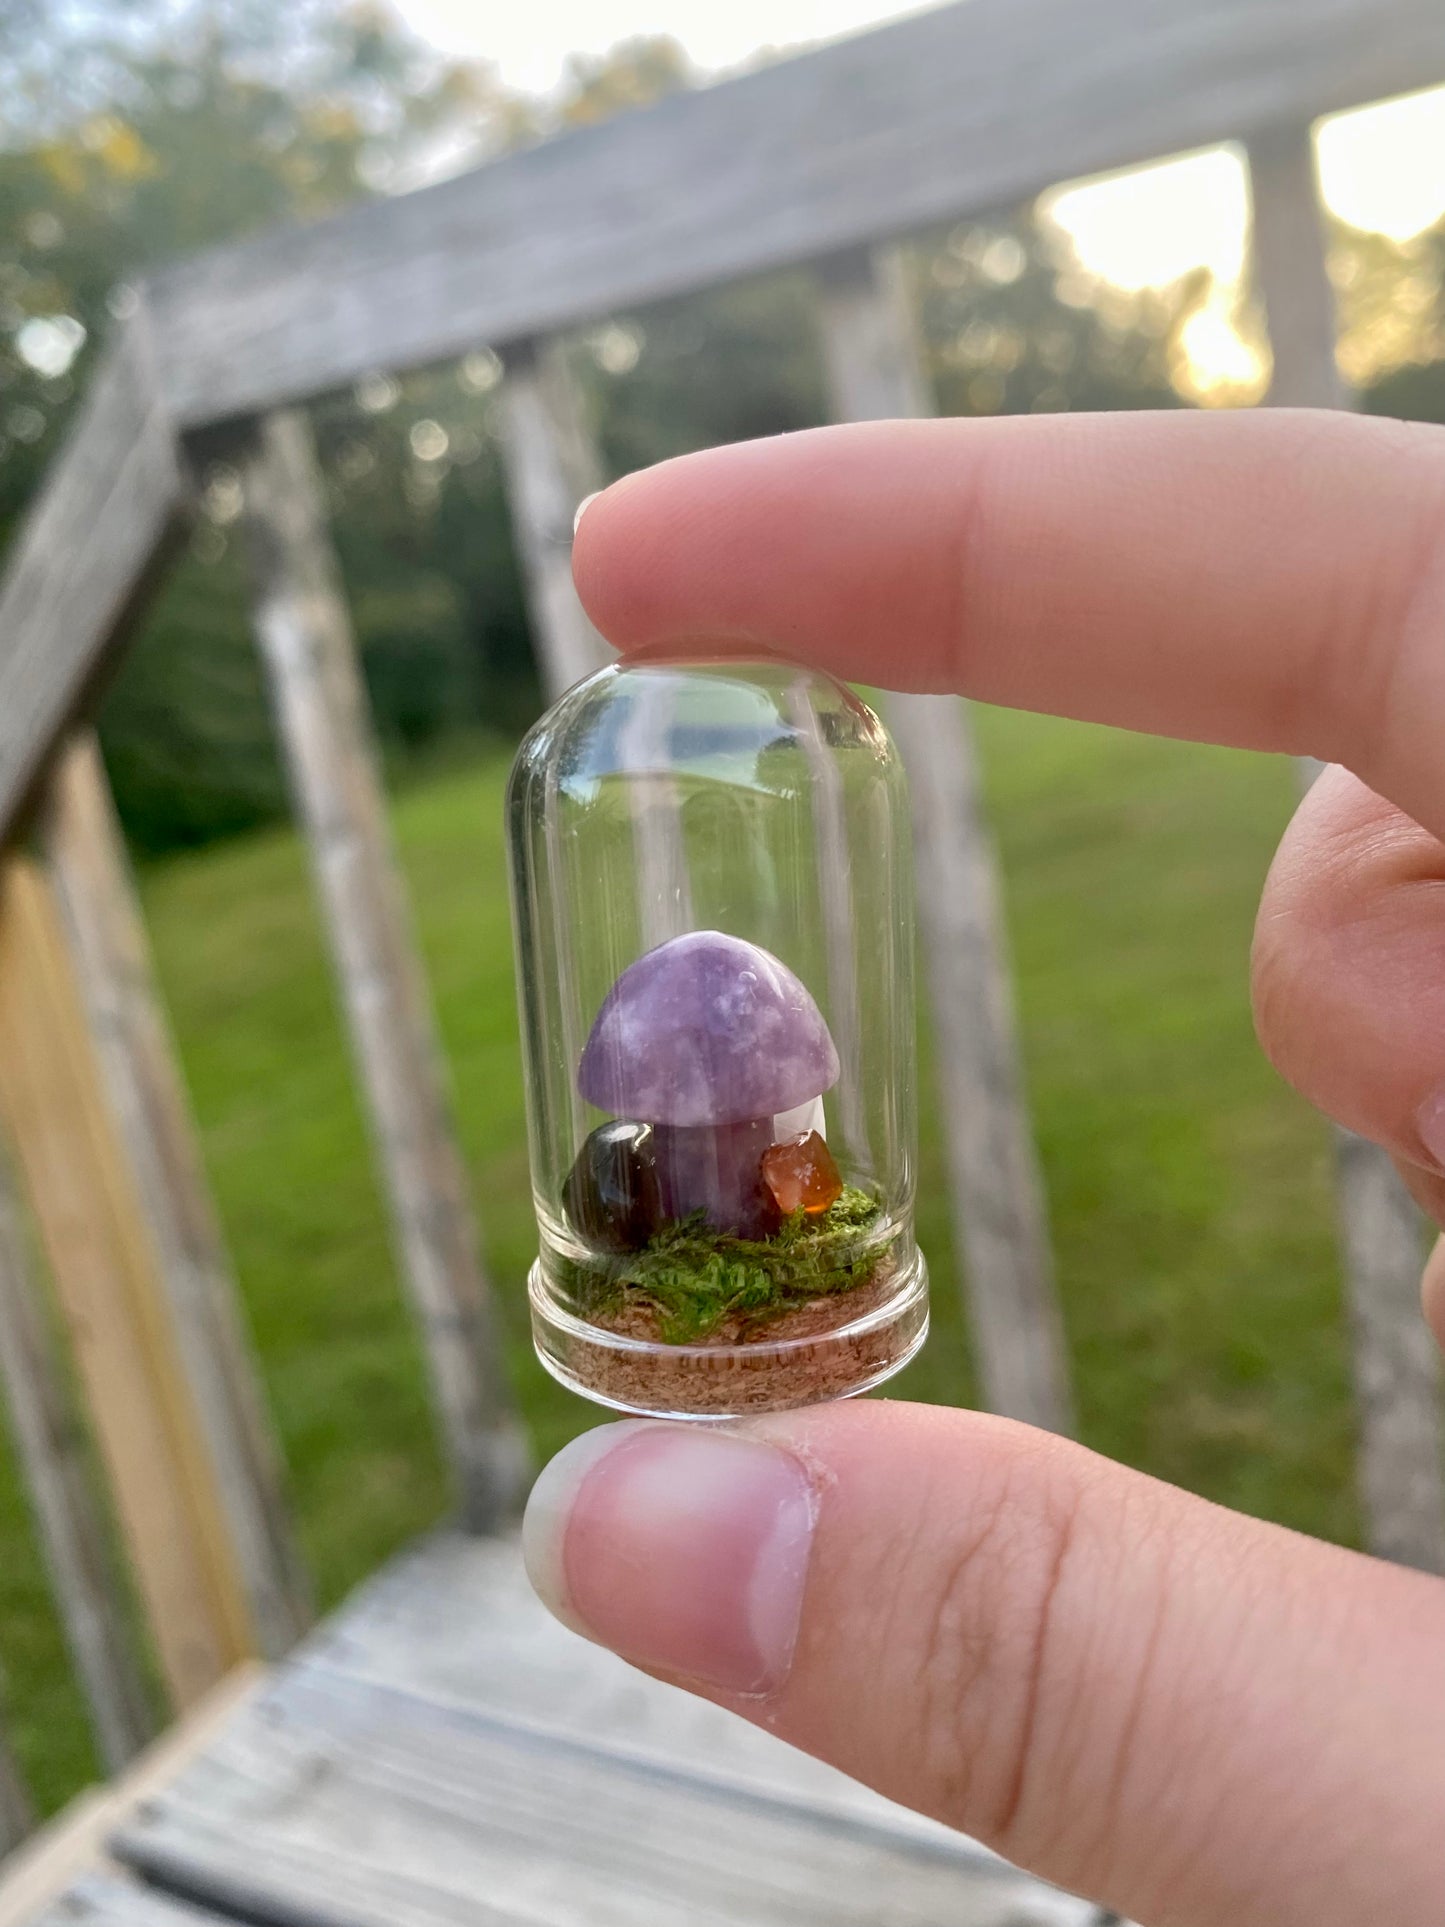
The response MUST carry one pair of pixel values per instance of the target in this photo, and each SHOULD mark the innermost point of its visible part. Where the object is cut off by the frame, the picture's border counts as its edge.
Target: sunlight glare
(1220, 366)
(1383, 168)
(1148, 227)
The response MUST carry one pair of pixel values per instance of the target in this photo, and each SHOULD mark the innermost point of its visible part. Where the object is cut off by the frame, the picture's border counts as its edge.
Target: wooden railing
(829, 159)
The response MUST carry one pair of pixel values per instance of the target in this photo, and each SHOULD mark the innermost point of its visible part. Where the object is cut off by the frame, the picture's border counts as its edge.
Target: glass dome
(712, 901)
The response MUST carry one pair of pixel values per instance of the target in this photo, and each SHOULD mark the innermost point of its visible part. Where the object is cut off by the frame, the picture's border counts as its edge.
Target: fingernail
(582, 508)
(683, 1549)
(1430, 1123)
(1432, 1290)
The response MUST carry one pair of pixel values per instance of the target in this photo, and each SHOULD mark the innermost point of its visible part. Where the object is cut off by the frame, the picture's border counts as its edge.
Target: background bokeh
(1189, 1191)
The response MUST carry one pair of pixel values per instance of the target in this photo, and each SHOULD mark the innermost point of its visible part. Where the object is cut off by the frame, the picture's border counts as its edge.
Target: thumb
(1179, 1711)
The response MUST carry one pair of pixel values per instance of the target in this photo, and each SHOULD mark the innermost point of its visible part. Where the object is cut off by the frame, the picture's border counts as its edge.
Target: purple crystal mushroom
(708, 1038)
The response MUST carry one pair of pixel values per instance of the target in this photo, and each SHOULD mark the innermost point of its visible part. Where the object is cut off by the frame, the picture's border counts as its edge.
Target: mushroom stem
(714, 1168)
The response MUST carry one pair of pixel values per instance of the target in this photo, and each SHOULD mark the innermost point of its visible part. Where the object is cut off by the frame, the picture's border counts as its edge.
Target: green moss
(695, 1278)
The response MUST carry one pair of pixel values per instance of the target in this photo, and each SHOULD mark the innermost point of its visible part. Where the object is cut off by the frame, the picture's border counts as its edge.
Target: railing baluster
(82, 847)
(88, 1214)
(1397, 1369)
(551, 466)
(1000, 1222)
(88, 1591)
(17, 1815)
(304, 632)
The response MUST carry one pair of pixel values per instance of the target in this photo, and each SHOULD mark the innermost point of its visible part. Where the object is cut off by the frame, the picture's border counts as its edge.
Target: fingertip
(811, 544)
(549, 1508)
(683, 1548)
(592, 551)
(620, 543)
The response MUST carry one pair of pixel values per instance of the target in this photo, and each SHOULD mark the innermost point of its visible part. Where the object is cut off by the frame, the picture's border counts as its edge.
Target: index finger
(1271, 580)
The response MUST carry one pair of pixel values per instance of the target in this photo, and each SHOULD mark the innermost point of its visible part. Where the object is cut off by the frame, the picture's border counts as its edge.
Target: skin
(1192, 1715)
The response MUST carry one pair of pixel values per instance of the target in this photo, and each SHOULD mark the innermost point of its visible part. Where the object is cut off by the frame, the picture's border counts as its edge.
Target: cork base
(833, 1347)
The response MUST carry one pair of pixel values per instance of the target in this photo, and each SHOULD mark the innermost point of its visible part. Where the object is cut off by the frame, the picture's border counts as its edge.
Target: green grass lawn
(1189, 1189)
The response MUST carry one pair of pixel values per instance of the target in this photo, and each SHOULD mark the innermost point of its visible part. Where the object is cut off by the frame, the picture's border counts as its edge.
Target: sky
(529, 44)
(1381, 167)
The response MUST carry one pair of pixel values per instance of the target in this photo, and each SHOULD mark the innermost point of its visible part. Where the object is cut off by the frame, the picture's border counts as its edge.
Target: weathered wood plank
(88, 1591)
(80, 563)
(1401, 1459)
(305, 638)
(85, 855)
(109, 1900)
(1000, 1222)
(337, 1802)
(89, 1219)
(71, 1846)
(456, 1622)
(955, 110)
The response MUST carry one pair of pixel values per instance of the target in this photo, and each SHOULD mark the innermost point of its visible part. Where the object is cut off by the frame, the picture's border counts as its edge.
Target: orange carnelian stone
(801, 1176)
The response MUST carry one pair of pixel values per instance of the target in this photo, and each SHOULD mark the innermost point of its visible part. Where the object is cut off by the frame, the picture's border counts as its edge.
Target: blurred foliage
(1392, 320)
(139, 129)
(1013, 326)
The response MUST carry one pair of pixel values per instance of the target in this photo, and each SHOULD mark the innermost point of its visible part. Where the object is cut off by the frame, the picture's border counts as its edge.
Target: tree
(146, 129)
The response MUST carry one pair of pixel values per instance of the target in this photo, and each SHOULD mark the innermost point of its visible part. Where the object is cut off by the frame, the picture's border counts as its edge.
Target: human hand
(1188, 1714)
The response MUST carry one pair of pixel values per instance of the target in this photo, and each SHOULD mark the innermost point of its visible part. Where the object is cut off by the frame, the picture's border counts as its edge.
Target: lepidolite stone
(717, 1169)
(613, 1194)
(800, 1175)
(706, 1029)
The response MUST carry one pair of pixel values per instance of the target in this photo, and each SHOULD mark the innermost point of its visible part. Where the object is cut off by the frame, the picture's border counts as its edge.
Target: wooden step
(443, 1752)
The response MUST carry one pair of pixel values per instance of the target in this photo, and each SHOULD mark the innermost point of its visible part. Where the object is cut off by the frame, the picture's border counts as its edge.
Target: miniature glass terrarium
(712, 895)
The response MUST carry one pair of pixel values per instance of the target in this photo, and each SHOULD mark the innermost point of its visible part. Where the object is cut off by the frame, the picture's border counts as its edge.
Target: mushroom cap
(706, 1029)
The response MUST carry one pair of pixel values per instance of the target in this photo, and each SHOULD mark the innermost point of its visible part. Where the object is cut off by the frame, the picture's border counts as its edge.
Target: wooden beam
(84, 556)
(84, 852)
(304, 633)
(1000, 1222)
(954, 110)
(89, 1218)
(1397, 1369)
(88, 1591)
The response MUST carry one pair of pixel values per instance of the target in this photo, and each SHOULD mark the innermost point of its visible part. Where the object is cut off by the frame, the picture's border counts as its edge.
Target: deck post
(1396, 1367)
(304, 632)
(999, 1214)
(90, 1221)
(82, 847)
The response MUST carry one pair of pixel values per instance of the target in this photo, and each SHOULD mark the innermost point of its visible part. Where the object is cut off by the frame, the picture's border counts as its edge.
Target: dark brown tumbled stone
(612, 1195)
